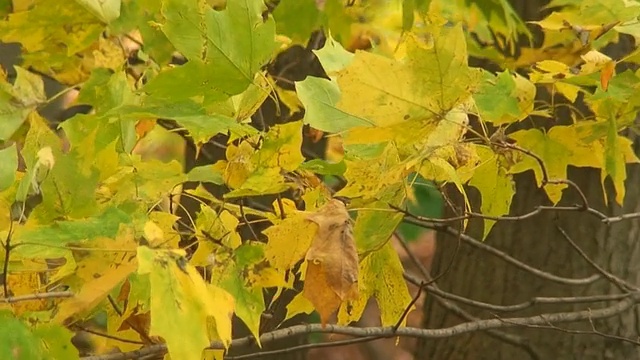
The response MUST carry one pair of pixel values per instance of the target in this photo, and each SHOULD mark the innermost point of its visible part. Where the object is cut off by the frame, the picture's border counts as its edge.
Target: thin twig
(607, 220)
(293, 349)
(244, 217)
(37, 296)
(408, 308)
(584, 332)
(7, 254)
(502, 255)
(613, 219)
(108, 336)
(621, 284)
(516, 307)
(281, 207)
(429, 284)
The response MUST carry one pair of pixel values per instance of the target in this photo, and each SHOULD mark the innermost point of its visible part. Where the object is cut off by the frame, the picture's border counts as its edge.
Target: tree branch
(292, 349)
(389, 331)
(621, 284)
(430, 285)
(516, 307)
(38, 296)
(500, 254)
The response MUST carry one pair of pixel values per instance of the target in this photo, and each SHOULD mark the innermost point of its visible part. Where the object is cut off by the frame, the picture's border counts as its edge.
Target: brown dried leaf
(332, 261)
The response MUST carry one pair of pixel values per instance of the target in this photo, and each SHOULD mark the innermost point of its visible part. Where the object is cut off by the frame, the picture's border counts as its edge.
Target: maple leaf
(558, 148)
(380, 278)
(185, 301)
(248, 298)
(504, 98)
(495, 184)
(225, 48)
(332, 261)
(373, 90)
(289, 242)
(368, 177)
(18, 341)
(17, 101)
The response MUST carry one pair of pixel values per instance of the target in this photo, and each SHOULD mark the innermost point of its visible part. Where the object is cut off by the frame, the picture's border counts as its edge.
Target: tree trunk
(537, 242)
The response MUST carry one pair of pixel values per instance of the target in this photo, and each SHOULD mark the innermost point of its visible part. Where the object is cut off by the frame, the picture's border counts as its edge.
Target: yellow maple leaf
(380, 278)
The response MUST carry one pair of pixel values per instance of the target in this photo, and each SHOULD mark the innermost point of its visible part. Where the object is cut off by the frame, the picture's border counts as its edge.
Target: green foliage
(92, 205)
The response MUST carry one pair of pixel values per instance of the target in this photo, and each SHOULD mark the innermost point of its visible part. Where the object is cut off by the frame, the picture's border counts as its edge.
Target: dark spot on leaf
(406, 117)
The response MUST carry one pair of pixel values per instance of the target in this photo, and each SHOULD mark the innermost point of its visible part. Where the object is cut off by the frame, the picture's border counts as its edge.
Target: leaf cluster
(93, 208)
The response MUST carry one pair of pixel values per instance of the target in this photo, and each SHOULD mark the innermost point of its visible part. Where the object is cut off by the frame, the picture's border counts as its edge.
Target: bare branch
(389, 331)
(37, 296)
(621, 284)
(502, 255)
(516, 307)
(108, 336)
(293, 349)
(7, 254)
(584, 332)
(607, 220)
(613, 219)
(429, 284)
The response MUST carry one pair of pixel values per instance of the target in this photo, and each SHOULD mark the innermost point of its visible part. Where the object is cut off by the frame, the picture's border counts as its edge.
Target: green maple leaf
(17, 341)
(57, 340)
(504, 98)
(50, 43)
(225, 48)
(106, 11)
(495, 184)
(373, 229)
(249, 301)
(296, 19)
(110, 94)
(369, 178)
(8, 166)
(333, 56)
(427, 82)
(46, 240)
(320, 98)
(617, 149)
(70, 31)
(18, 100)
(142, 15)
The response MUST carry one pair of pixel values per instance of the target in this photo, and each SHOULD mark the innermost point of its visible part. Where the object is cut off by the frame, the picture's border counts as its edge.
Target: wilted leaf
(332, 261)
(606, 74)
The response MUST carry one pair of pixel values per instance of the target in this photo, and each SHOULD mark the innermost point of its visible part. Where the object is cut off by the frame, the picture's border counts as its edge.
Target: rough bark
(538, 242)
